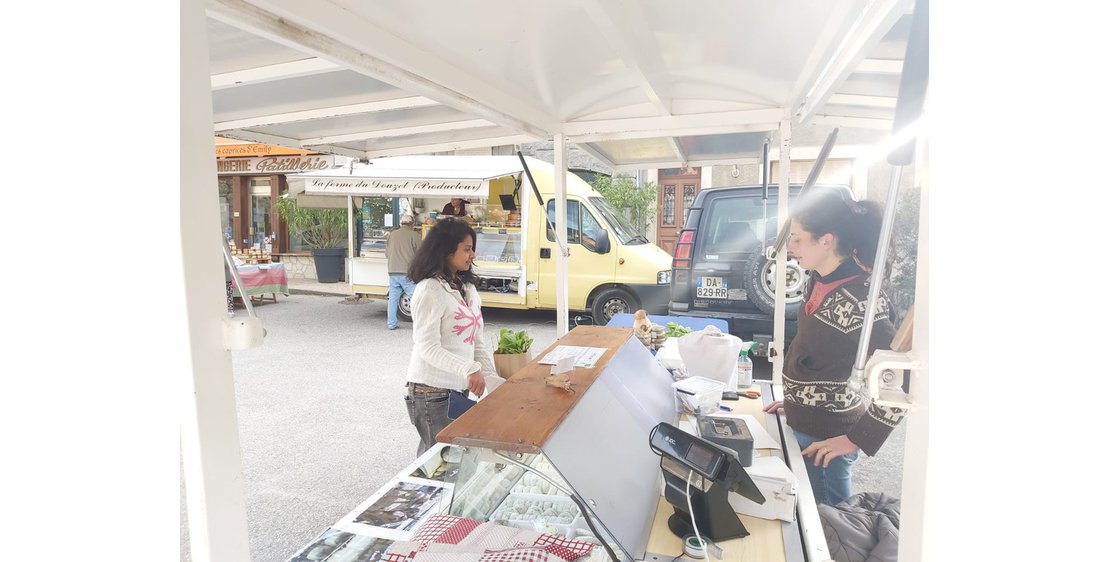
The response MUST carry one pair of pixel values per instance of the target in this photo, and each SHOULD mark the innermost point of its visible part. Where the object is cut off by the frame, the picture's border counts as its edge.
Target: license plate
(712, 288)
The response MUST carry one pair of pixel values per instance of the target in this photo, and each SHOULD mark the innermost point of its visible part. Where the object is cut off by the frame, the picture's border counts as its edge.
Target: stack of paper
(583, 356)
(778, 485)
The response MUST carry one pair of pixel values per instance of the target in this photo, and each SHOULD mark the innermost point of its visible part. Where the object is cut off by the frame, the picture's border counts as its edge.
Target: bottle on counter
(744, 367)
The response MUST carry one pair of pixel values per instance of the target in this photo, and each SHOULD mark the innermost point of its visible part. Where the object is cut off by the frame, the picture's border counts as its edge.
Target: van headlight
(663, 277)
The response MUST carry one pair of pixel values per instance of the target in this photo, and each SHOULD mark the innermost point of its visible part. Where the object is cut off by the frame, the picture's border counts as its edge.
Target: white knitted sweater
(448, 336)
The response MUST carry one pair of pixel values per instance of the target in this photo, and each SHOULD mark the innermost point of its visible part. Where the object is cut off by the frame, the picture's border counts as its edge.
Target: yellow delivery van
(611, 268)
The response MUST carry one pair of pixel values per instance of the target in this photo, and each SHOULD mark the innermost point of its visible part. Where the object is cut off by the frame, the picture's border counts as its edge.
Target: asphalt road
(323, 425)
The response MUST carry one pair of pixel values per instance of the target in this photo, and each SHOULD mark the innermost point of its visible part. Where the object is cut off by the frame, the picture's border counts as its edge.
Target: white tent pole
(209, 427)
(776, 353)
(916, 461)
(561, 307)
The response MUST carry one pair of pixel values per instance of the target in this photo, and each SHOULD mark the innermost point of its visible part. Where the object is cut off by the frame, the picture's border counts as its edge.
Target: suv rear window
(734, 225)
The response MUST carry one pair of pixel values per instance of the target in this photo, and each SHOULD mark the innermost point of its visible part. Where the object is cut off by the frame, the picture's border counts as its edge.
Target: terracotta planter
(509, 363)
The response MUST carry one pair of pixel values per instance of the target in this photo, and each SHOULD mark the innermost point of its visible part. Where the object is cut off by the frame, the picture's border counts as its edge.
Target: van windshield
(624, 231)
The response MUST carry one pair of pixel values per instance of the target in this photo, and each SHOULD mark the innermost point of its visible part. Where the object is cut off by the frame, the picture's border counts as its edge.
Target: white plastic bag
(711, 354)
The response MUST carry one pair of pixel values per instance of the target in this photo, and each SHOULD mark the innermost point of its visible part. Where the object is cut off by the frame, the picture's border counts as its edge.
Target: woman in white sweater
(449, 355)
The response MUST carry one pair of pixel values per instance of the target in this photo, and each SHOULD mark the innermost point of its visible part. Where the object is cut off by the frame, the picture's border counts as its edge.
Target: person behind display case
(400, 249)
(455, 208)
(449, 354)
(836, 240)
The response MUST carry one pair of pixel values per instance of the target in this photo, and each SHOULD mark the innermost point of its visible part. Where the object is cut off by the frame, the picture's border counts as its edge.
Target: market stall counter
(569, 457)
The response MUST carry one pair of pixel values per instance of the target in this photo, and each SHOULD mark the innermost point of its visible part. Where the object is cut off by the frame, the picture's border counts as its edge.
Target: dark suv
(720, 269)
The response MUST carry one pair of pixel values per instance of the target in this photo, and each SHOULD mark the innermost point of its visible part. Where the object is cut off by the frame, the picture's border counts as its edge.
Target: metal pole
(559, 238)
(561, 305)
(238, 280)
(877, 273)
(765, 172)
(810, 180)
(775, 354)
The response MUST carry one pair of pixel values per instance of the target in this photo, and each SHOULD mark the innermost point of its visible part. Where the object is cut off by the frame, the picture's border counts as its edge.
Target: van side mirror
(603, 244)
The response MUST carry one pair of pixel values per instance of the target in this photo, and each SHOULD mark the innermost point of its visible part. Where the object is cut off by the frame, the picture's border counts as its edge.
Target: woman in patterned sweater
(449, 354)
(836, 240)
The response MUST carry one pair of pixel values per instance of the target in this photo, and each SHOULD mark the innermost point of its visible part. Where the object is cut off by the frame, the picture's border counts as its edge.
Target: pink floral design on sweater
(472, 319)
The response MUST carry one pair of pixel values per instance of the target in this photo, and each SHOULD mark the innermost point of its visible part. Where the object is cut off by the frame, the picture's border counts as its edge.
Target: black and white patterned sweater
(819, 400)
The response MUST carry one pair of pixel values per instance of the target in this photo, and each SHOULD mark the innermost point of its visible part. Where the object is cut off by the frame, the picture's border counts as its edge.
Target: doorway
(677, 189)
(261, 230)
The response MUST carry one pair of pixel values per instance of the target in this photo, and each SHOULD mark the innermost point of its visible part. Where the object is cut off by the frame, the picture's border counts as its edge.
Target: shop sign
(275, 164)
(392, 187)
(240, 150)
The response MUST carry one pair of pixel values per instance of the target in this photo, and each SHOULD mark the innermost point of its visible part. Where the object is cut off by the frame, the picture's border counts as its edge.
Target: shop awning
(442, 176)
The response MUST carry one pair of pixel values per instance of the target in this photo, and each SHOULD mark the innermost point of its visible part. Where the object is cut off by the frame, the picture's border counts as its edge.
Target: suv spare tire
(759, 280)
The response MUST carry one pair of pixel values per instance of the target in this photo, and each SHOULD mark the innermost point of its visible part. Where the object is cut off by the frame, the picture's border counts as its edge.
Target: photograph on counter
(402, 506)
(334, 545)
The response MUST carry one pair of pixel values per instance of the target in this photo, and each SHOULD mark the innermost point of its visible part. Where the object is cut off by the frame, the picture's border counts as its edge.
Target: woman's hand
(476, 383)
(773, 407)
(825, 451)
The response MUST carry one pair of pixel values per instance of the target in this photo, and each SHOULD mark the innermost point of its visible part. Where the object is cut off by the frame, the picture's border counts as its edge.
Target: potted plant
(513, 352)
(323, 230)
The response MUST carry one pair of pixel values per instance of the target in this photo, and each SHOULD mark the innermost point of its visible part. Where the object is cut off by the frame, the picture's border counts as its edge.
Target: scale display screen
(701, 457)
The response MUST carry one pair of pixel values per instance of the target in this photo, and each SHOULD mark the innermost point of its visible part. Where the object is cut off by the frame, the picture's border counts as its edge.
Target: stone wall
(298, 266)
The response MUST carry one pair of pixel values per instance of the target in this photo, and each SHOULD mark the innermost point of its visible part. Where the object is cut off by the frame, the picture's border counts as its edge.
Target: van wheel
(759, 280)
(611, 302)
(404, 308)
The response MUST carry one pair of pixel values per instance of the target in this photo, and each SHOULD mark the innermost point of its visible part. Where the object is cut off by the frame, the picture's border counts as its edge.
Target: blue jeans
(830, 485)
(428, 414)
(397, 283)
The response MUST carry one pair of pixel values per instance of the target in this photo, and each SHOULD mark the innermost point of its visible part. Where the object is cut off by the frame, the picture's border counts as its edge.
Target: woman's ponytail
(864, 227)
(856, 225)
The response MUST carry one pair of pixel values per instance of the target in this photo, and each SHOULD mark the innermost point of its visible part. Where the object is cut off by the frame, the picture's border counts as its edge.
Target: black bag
(457, 404)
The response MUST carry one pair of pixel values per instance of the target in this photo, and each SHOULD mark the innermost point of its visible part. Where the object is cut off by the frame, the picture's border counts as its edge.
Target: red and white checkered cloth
(445, 538)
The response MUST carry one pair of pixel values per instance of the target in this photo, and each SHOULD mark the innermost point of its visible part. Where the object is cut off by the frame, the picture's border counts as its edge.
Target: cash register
(698, 475)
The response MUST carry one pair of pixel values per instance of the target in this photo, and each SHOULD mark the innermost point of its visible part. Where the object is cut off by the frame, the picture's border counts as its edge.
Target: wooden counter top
(763, 544)
(523, 412)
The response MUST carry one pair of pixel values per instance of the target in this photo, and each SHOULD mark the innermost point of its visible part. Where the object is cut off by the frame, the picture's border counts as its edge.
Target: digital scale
(698, 477)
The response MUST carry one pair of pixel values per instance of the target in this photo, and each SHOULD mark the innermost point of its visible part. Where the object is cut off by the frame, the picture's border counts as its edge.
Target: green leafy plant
(512, 341)
(641, 203)
(676, 331)
(319, 228)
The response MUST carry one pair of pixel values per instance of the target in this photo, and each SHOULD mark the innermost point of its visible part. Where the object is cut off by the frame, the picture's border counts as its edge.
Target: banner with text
(394, 187)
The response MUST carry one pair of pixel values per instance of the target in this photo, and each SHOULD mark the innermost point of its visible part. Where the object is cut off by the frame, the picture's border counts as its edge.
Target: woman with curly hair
(449, 355)
(836, 240)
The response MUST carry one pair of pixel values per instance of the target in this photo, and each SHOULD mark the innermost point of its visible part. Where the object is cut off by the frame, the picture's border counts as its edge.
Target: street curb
(293, 291)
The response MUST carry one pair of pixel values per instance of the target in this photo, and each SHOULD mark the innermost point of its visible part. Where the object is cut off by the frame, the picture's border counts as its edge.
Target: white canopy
(636, 84)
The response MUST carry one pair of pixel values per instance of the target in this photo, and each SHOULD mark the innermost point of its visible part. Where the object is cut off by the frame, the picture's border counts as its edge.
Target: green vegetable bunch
(675, 331)
(512, 341)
